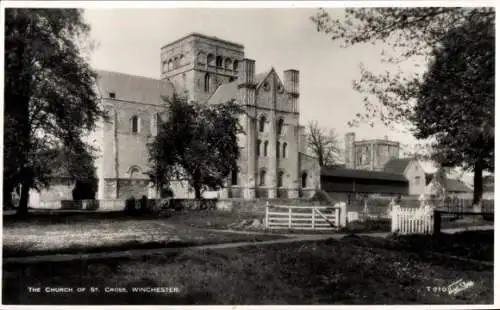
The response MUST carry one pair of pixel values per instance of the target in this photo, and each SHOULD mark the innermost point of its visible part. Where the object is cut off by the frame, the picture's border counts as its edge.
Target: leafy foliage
(460, 113)
(453, 103)
(408, 34)
(198, 143)
(50, 103)
(323, 144)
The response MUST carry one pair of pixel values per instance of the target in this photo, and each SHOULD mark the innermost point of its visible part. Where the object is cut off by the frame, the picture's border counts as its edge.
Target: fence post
(289, 217)
(437, 222)
(267, 217)
(313, 218)
(342, 218)
(394, 218)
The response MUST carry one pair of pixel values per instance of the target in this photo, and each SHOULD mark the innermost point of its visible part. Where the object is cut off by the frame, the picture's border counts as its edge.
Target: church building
(207, 70)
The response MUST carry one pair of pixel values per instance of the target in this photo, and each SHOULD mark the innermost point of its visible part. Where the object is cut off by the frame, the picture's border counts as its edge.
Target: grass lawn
(322, 272)
(84, 234)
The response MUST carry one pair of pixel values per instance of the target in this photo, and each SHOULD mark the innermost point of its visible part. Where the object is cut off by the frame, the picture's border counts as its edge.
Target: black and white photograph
(336, 153)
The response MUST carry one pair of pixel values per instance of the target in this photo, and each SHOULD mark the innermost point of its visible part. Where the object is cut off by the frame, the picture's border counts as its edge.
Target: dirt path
(287, 238)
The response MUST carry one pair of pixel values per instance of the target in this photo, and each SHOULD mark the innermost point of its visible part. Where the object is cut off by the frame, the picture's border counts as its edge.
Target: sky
(129, 41)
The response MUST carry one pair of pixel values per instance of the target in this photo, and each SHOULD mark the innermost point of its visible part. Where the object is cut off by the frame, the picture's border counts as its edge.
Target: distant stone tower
(349, 150)
(197, 64)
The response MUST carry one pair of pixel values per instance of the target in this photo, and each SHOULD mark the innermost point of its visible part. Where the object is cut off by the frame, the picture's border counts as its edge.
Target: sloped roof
(260, 77)
(332, 171)
(227, 92)
(453, 185)
(224, 93)
(397, 166)
(133, 88)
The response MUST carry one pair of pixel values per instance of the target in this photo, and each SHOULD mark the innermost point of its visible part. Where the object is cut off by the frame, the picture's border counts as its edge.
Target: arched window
(234, 176)
(262, 123)
(227, 64)
(134, 124)
(262, 177)
(257, 147)
(210, 60)
(170, 65)
(280, 178)
(283, 153)
(164, 66)
(278, 149)
(235, 65)
(176, 62)
(219, 61)
(207, 82)
(280, 126)
(133, 171)
(266, 144)
(304, 179)
(155, 124)
(202, 58)
(181, 60)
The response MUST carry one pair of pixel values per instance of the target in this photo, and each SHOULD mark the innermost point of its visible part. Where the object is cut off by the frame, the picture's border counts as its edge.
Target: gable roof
(133, 88)
(332, 171)
(224, 93)
(229, 91)
(259, 78)
(397, 165)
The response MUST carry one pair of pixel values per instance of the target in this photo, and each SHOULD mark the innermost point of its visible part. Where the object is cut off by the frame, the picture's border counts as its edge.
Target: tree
(409, 35)
(323, 144)
(198, 143)
(50, 103)
(456, 101)
(461, 135)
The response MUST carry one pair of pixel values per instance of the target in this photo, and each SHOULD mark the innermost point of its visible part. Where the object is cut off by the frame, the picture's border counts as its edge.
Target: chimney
(246, 72)
(292, 82)
(349, 150)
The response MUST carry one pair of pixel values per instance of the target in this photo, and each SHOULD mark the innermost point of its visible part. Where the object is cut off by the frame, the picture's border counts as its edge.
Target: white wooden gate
(305, 217)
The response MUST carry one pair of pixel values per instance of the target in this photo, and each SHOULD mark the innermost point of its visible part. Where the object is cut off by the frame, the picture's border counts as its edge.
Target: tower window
(266, 144)
(284, 150)
(134, 124)
(262, 123)
(227, 64)
(304, 179)
(202, 58)
(277, 150)
(280, 126)
(210, 60)
(219, 61)
(257, 150)
(112, 95)
(170, 65)
(235, 65)
(280, 178)
(164, 66)
(262, 177)
(207, 82)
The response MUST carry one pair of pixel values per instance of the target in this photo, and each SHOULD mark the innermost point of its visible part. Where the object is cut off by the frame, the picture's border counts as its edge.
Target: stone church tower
(197, 64)
(208, 70)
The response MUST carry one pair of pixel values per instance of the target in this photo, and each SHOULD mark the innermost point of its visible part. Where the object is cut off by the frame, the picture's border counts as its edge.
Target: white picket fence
(306, 217)
(412, 220)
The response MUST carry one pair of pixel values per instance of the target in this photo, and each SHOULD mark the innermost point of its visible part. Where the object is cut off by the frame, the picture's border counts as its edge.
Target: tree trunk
(478, 182)
(7, 189)
(197, 191)
(22, 210)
